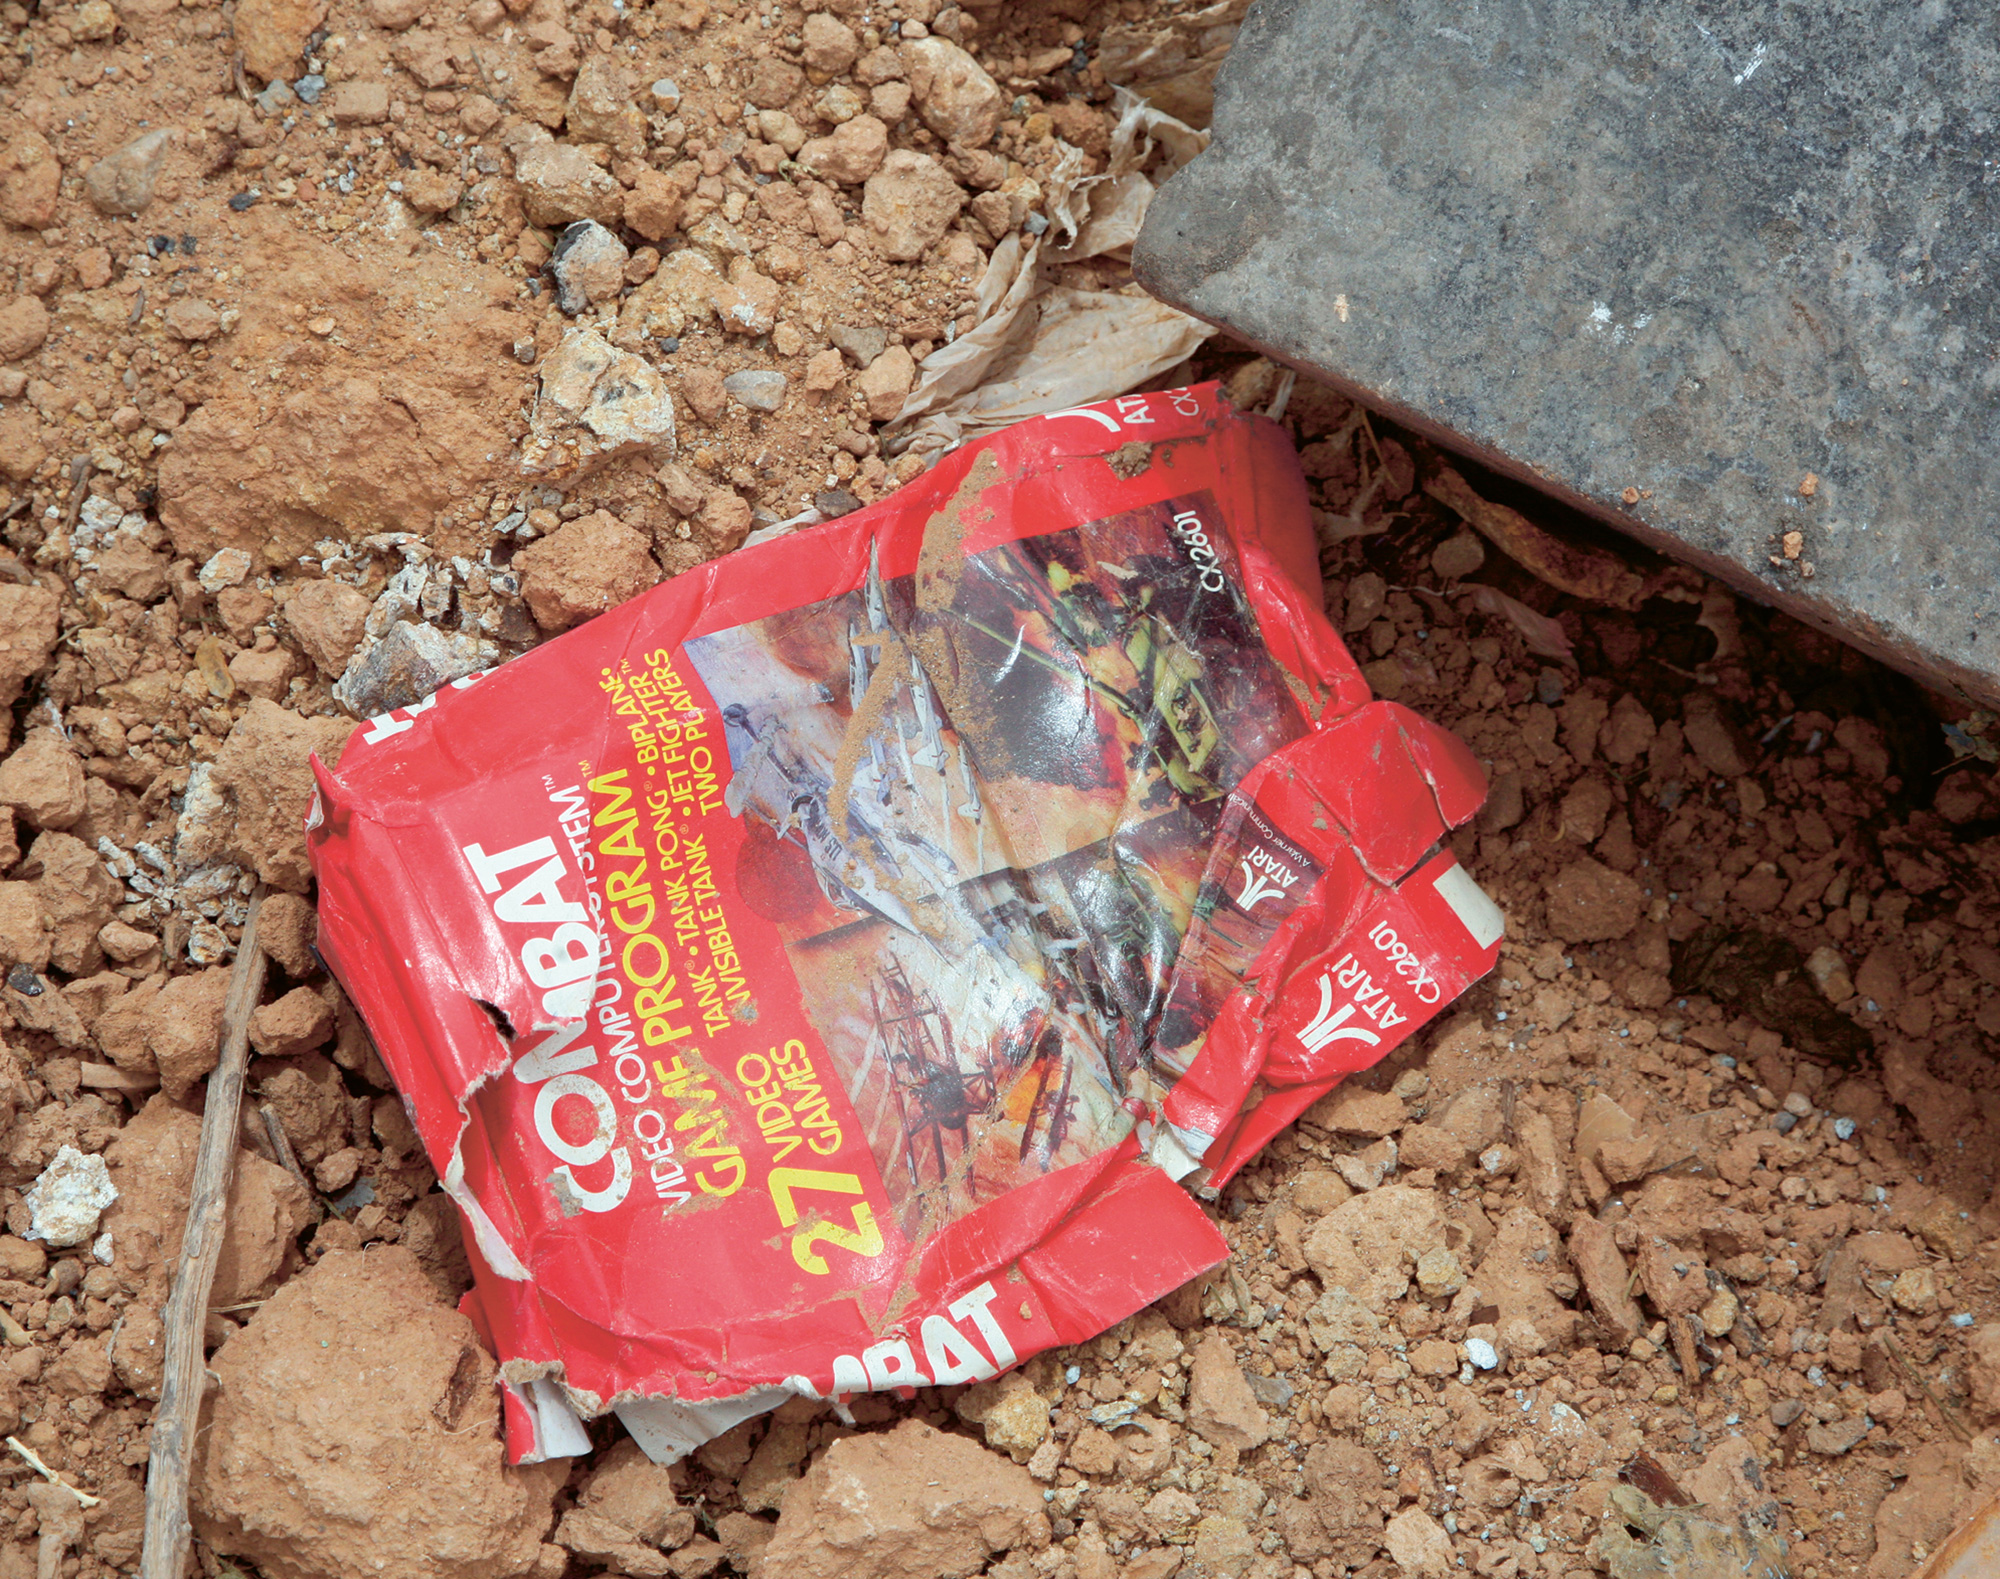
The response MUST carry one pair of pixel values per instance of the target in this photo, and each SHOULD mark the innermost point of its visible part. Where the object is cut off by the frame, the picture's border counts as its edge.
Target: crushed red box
(842, 967)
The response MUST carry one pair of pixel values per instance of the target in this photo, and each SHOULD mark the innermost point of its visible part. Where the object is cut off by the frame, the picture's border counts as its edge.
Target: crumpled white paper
(1038, 346)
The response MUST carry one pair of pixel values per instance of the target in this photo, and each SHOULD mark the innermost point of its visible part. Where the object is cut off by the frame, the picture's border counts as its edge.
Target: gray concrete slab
(1662, 257)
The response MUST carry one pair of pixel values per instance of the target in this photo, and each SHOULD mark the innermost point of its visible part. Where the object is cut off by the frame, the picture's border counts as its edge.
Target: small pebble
(1548, 688)
(1962, 1319)
(1785, 1123)
(1843, 1128)
(1482, 1354)
(760, 391)
(207, 944)
(228, 567)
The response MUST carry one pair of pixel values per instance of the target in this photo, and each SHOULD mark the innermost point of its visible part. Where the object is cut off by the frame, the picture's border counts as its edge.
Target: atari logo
(1330, 1024)
(1264, 877)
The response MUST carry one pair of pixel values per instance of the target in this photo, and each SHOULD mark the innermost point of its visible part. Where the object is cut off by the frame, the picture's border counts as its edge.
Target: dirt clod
(583, 569)
(42, 781)
(264, 775)
(1588, 902)
(1221, 1405)
(909, 1502)
(328, 619)
(356, 1434)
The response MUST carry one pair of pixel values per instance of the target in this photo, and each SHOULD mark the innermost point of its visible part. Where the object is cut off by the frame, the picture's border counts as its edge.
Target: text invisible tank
(833, 970)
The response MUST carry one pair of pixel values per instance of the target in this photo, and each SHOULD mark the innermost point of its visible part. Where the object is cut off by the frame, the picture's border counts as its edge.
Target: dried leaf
(1039, 347)
(1172, 61)
(1649, 1475)
(214, 668)
(1581, 572)
(1542, 634)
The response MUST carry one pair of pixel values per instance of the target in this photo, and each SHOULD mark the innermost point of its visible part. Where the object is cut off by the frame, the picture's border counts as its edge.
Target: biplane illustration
(933, 1091)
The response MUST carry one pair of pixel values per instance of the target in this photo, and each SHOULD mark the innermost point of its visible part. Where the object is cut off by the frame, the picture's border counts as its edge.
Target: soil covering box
(832, 970)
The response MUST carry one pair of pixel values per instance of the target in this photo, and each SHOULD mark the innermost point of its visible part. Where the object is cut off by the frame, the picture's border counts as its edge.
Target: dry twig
(84, 1498)
(186, 1319)
(281, 1144)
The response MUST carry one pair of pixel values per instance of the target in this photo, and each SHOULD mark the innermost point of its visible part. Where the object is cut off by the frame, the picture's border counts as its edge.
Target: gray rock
(123, 182)
(589, 266)
(1664, 258)
(859, 343)
(408, 663)
(1836, 1437)
(760, 391)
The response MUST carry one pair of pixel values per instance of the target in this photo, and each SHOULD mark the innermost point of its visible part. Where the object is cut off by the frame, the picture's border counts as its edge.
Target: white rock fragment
(589, 266)
(407, 664)
(1482, 1354)
(101, 1249)
(208, 944)
(98, 518)
(68, 1198)
(595, 403)
(204, 826)
(229, 568)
